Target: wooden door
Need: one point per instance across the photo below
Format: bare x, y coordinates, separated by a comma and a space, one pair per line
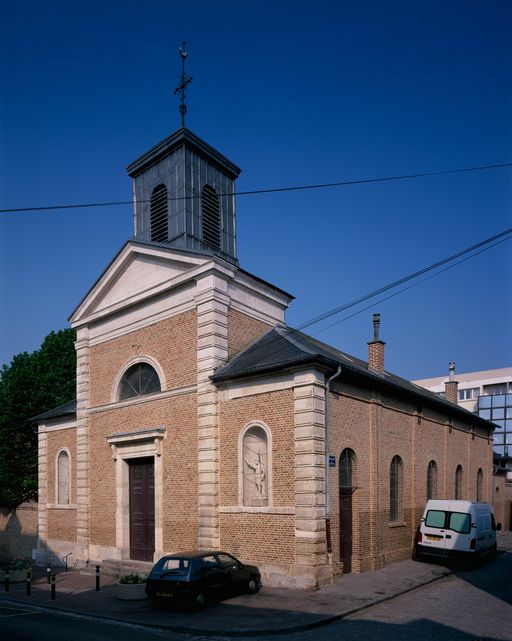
346, 528
142, 509
347, 476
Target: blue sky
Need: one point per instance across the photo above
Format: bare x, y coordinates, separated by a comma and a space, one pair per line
293, 93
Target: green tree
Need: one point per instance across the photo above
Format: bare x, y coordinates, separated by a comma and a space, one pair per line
31, 384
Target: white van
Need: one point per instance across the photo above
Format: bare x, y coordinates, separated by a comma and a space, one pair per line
456, 528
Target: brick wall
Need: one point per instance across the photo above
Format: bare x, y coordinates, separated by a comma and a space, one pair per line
172, 343
258, 536
18, 531
242, 330
55, 442
179, 458
378, 427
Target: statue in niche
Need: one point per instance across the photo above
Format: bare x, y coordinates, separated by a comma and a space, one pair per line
258, 474
255, 467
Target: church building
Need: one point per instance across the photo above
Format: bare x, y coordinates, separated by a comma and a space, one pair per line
203, 421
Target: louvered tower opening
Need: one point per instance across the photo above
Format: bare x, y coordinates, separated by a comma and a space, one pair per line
158, 214
210, 216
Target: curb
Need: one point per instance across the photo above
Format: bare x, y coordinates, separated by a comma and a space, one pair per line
236, 633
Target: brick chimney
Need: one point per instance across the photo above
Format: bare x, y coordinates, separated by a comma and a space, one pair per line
451, 386
376, 348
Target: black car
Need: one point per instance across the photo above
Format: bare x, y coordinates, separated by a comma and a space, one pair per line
195, 578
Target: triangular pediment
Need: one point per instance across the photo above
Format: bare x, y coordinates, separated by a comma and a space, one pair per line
138, 272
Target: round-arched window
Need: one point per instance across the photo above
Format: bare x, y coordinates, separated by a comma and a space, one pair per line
432, 480
138, 380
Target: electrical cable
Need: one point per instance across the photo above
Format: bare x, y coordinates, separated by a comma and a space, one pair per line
253, 192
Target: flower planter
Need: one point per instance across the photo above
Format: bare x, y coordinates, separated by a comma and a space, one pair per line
131, 591
17, 576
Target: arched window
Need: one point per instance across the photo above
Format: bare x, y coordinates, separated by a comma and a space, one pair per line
347, 470
458, 483
255, 466
63, 478
432, 480
158, 214
138, 380
211, 216
479, 484
395, 489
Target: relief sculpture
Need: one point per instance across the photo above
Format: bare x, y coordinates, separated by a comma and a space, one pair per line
255, 486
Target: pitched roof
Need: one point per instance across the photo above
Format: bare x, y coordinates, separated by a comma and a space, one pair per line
287, 348
67, 409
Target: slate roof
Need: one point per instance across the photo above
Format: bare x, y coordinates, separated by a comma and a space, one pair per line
67, 409
285, 348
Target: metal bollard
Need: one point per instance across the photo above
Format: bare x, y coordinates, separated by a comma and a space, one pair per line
52, 583
6, 580
97, 578
29, 581
48, 572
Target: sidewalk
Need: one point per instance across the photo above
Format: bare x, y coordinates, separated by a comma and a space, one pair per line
271, 611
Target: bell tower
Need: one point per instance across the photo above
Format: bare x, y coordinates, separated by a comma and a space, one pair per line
184, 191
184, 196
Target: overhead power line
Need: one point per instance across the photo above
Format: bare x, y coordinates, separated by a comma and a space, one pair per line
253, 192
405, 279
482, 246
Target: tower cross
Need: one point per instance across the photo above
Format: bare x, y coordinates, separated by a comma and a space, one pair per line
184, 82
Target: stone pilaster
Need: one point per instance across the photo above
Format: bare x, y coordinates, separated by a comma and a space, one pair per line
212, 350
376, 500
42, 474
310, 500
82, 442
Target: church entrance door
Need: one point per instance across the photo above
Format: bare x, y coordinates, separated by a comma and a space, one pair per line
142, 508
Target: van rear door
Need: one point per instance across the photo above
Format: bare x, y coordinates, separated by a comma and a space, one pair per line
433, 529
458, 532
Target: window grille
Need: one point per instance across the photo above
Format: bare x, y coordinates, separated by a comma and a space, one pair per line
211, 217
479, 485
432, 480
395, 489
458, 483
158, 214
347, 469
138, 380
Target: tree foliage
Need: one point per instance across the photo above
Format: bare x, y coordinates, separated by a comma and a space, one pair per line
31, 384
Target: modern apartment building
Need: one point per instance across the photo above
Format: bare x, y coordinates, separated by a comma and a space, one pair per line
487, 393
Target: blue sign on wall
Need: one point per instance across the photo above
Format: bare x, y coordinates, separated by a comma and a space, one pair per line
332, 461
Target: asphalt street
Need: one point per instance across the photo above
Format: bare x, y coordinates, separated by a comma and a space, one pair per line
470, 605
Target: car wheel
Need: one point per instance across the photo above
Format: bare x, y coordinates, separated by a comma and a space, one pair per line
253, 586
199, 602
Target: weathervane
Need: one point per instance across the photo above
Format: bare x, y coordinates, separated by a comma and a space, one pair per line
184, 82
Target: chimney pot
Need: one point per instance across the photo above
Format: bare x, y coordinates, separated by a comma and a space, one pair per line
451, 387
376, 348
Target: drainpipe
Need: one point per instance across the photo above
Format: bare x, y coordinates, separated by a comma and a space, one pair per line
327, 449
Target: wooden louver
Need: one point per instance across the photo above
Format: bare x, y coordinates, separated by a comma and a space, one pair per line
211, 217
158, 214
